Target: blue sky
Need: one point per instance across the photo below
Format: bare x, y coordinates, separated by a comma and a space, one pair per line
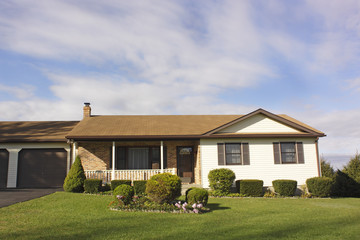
185, 57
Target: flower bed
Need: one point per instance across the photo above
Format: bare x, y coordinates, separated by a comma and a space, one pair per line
143, 204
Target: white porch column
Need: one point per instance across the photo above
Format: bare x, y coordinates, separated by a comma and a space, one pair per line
113, 161
68, 159
162, 156
13, 167
74, 152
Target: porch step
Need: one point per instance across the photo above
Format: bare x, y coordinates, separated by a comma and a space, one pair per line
185, 187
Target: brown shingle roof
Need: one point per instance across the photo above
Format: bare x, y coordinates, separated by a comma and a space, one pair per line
35, 131
143, 126
149, 125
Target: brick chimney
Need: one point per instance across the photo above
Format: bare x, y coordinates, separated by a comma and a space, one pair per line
87, 110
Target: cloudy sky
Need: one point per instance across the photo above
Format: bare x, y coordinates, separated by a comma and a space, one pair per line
185, 57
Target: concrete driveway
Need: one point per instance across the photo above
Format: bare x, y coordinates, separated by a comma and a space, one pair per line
12, 196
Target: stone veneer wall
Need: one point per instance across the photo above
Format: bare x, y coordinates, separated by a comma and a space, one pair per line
97, 155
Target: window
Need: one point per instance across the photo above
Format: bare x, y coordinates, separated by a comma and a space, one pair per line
288, 152
139, 158
233, 154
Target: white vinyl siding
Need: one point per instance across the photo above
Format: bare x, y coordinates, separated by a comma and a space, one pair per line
258, 124
262, 164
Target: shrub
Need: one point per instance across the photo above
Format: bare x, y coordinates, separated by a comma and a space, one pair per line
250, 187
285, 187
106, 187
221, 180
74, 181
140, 187
345, 186
352, 169
326, 169
124, 193
163, 188
92, 185
115, 183
320, 186
197, 195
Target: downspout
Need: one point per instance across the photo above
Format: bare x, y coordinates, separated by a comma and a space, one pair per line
317, 157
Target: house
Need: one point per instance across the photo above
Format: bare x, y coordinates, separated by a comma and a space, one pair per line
258, 145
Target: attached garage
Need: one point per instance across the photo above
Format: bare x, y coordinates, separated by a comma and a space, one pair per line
4, 165
40, 168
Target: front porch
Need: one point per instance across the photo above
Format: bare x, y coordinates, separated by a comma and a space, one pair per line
139, 160
141, 174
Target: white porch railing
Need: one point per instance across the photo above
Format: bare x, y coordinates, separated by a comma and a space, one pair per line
142, 174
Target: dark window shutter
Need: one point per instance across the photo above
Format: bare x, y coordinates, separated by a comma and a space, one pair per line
221, 154
120, 162
276, 152
246, 154
165, 157
300, 152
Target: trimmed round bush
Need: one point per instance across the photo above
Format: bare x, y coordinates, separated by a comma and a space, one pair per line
320, 186
140, 187
92, 185
163, 188
74, 181
250, 187
197, 195
115, 183
125, 191
221, 180
285, 188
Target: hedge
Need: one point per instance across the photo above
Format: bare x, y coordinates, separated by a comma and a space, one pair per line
92, 185
320, 186
285, 188
140, 187
115, 183
250, 187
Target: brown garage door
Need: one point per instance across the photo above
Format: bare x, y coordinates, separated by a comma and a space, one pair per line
4, 165
38, 168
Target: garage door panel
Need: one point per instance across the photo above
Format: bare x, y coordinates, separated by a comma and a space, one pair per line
42, 168
4, 166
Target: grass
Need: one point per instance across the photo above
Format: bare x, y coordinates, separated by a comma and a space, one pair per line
78, 216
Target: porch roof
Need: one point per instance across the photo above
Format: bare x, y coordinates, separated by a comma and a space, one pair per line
171, 126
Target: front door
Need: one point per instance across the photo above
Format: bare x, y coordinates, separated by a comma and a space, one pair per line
185, 164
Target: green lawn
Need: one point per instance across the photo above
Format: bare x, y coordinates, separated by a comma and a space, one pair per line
78, 216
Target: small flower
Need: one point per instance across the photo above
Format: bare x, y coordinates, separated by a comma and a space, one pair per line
185, 204
194, 205
178, 205
196, 210
199, 205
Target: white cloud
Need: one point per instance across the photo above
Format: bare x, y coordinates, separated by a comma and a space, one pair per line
169, 58
340, 126
26, 91
353, 84
337, 42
